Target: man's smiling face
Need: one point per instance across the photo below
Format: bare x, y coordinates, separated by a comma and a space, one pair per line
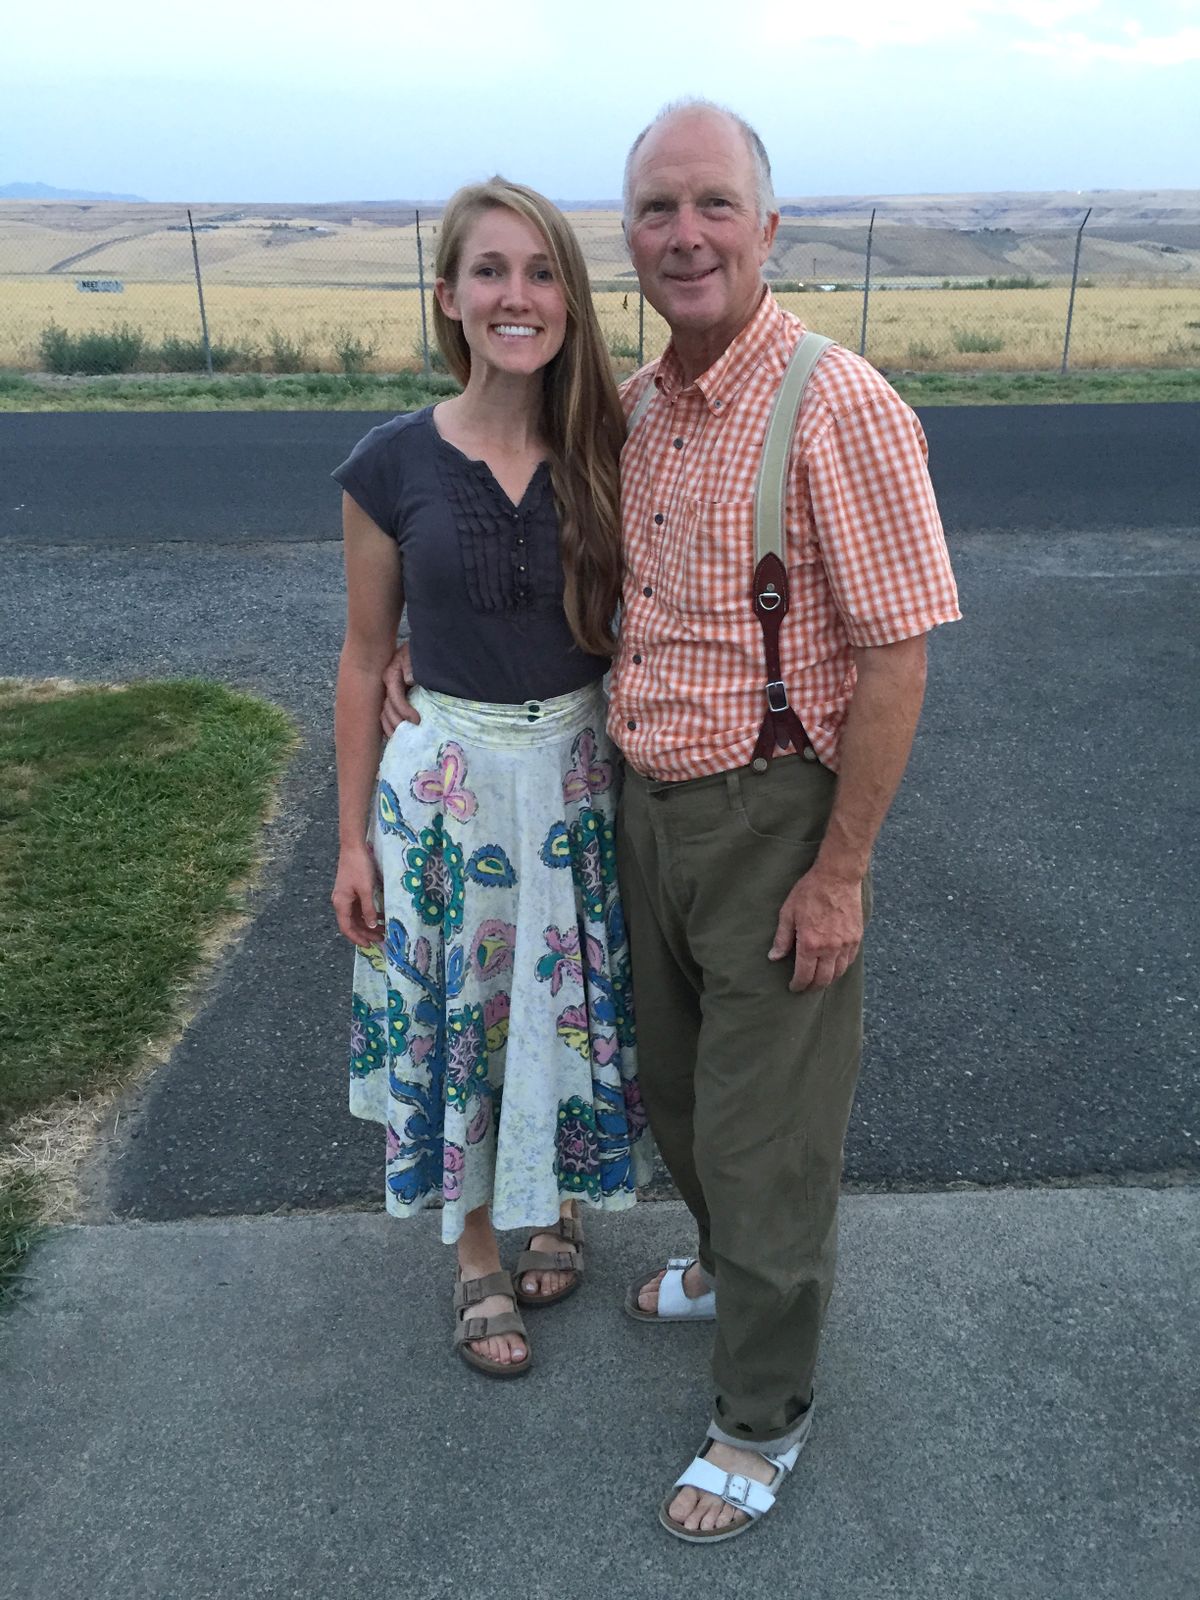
693, 227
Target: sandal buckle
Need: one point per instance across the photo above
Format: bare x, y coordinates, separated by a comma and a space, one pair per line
737, 1489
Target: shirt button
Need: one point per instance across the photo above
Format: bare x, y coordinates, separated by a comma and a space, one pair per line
647, 591
631, 724
659, 518
716, 405
678, 443
637, 660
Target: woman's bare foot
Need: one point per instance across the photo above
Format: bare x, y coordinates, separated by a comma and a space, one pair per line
546, 1284
693, 1286
699, 1512
479, 1254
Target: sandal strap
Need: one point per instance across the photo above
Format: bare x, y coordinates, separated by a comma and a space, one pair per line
744, 1494
569, 1228
548, 1261
471, 1328
470, 1291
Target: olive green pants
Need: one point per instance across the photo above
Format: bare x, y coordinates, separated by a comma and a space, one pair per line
748, 1086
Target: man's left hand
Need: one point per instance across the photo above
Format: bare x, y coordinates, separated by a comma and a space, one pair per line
822, 922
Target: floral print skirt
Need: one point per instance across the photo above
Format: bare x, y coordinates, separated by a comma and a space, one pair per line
492, 1032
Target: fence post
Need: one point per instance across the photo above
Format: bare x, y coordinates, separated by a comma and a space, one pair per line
200, 293
421, 281
641, 329
862, 343
1074, 280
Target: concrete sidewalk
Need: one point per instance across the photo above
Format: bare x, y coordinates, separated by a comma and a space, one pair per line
1007, 1407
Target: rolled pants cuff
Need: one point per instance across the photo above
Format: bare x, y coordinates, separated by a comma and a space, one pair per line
776, 1446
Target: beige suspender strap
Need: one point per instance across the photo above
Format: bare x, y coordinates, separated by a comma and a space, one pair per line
640, 410
770, 493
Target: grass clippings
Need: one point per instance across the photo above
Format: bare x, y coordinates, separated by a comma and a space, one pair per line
130, 821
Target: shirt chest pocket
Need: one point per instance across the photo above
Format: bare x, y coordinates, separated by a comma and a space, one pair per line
714, 566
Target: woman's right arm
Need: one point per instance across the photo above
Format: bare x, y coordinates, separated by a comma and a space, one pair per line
374, 601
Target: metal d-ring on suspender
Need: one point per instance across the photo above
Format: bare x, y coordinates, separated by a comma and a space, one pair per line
780, 723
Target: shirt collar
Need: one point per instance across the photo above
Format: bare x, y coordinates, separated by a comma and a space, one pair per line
721, 382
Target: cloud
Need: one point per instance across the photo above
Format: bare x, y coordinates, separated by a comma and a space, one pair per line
1135, 49
1105, 30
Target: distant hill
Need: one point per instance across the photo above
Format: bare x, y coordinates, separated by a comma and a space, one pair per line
46, 191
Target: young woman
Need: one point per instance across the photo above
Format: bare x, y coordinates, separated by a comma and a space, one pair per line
492, 1026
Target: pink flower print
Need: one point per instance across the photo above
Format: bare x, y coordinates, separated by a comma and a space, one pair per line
635, 1110
604, 1049
493, 947
495, 1021
481, 1122
573, 1030
452, 1171
588, 776
393, 1143
594, 954
420, 1047
562, 965
445, 784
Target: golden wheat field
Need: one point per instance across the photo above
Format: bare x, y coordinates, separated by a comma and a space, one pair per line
920, 329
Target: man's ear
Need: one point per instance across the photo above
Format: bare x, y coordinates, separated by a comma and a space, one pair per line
770, 229
444, 291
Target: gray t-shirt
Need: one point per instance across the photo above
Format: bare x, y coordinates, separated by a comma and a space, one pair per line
482, 577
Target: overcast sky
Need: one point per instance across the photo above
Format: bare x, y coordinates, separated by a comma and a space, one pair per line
383, 99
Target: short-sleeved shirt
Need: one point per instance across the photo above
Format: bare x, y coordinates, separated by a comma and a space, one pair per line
482, 577
866, 557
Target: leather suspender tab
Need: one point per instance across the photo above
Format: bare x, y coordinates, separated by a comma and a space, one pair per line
780, 725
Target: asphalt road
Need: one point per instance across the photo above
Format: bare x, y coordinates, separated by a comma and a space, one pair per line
231, 476
1032, 1000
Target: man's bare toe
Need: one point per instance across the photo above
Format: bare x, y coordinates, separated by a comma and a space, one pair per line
648, 1293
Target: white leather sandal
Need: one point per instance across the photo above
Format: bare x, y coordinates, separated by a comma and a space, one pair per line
674, 1303
743, 1494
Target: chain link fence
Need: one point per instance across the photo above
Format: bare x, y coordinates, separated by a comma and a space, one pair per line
349, 289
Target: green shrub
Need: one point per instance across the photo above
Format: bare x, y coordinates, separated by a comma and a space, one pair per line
970, 343
437, 361
622, 348
287, 354
187, 355
351, 351
918, 350
118, 349
1025, 282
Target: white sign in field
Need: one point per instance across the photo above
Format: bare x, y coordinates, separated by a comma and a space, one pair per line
100, 286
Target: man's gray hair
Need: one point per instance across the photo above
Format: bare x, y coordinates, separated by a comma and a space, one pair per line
763, 186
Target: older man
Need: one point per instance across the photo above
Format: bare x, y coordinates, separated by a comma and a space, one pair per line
745, 881
744, 859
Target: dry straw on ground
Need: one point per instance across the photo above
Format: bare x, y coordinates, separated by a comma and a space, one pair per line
917, 330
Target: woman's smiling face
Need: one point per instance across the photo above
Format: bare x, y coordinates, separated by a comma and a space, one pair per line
507, 295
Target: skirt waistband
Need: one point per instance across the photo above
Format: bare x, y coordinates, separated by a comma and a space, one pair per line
528, 723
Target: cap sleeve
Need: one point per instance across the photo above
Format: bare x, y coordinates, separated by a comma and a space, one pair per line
371, 475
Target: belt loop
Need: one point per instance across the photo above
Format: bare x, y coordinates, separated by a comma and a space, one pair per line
733, 788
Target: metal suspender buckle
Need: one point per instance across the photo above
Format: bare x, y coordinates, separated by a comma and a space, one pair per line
769, 599
777, 696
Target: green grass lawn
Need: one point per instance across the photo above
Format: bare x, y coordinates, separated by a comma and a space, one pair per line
130, 821
406, 391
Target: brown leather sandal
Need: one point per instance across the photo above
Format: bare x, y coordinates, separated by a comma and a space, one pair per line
570, 1230
469, 1292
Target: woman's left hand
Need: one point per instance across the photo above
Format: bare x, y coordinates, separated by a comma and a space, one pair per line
354, 895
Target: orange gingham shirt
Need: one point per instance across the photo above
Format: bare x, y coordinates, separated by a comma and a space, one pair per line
866, 557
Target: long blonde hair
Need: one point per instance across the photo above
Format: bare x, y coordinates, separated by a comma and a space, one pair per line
582, 421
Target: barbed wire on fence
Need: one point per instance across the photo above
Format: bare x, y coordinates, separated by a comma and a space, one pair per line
347, 289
